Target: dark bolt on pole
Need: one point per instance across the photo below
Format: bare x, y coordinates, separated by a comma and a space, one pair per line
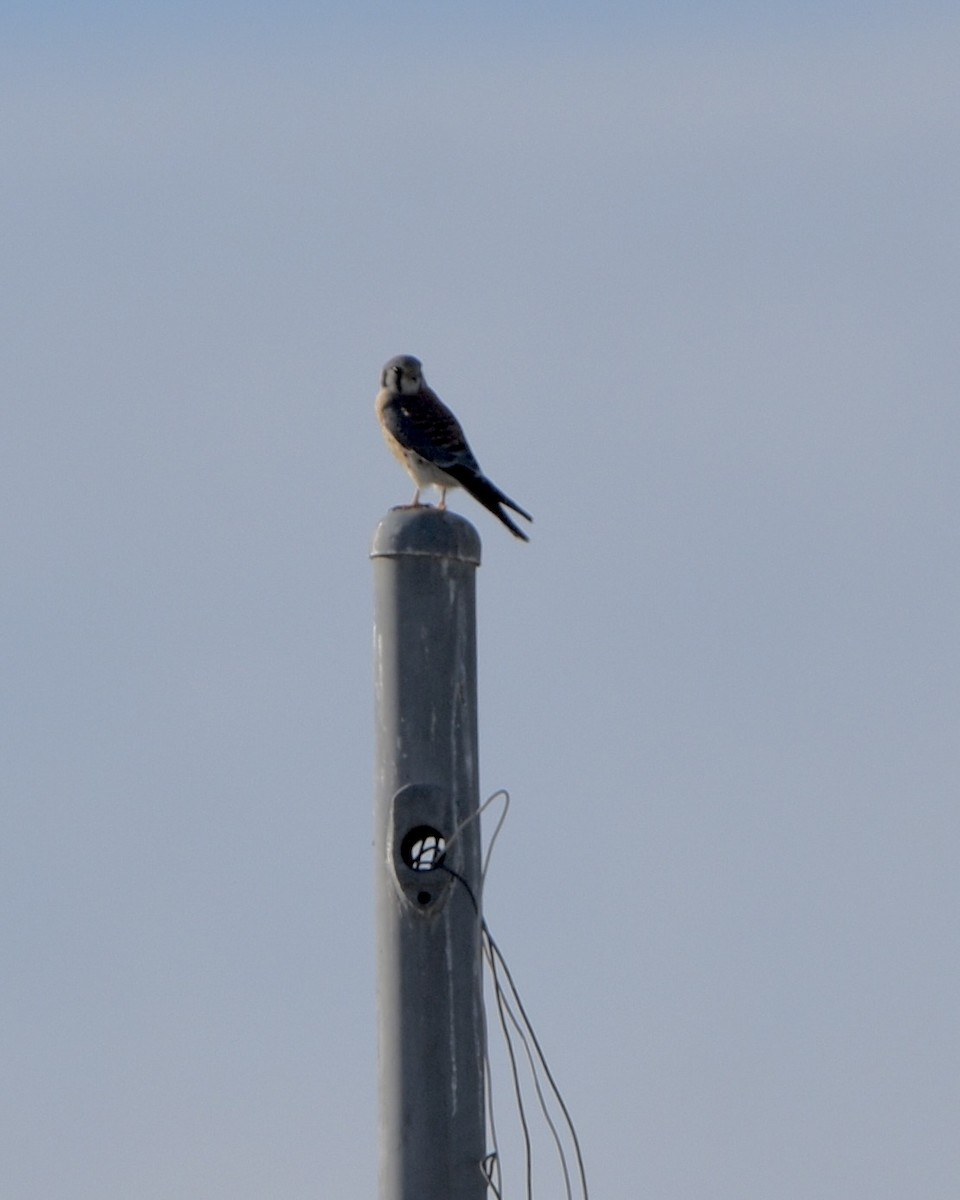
427, 845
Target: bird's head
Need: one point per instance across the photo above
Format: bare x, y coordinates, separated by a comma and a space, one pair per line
403, 374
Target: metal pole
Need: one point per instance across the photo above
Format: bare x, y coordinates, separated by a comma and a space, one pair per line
431, 1040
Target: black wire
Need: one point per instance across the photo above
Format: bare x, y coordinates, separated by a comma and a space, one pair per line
494, 949
518, 1092
487, 1165
495, 956
546, 1069
442, 866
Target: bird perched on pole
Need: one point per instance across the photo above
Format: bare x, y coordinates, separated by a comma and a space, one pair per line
427, 438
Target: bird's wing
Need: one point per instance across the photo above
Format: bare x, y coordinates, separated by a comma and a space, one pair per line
425, 425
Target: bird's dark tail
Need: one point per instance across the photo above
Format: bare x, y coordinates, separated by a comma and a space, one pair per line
490, 496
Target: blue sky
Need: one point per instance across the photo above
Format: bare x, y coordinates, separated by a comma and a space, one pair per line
99, 29
690, 283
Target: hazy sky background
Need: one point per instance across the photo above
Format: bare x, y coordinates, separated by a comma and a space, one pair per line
689, 276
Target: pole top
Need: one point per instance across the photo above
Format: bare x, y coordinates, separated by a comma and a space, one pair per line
426, 532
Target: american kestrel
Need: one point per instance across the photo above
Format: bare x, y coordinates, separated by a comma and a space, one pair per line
426, 437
